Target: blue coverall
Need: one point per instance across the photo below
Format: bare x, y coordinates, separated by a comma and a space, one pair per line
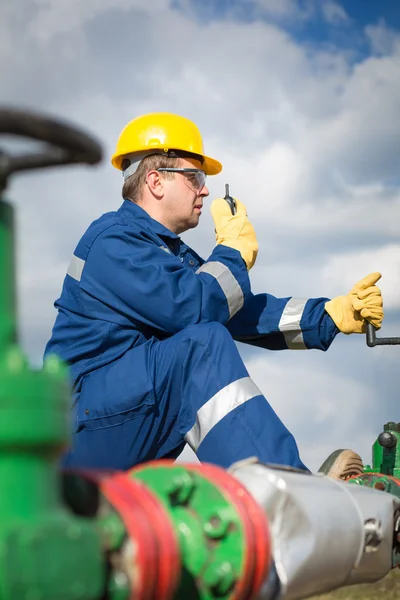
148, 327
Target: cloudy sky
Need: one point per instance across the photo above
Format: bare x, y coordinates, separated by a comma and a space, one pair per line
299, 99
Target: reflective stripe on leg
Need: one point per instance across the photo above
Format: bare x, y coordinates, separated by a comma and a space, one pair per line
221, 404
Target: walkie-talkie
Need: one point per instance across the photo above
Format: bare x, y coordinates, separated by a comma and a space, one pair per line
231, 201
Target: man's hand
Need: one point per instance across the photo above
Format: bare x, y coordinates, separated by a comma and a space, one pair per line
235, 231
363, 303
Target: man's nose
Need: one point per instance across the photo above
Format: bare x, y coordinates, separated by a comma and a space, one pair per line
204, 191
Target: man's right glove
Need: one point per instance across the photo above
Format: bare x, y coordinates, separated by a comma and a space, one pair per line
363, 303
235, 231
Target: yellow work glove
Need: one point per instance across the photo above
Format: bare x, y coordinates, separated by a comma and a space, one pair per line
235, 231
363, 303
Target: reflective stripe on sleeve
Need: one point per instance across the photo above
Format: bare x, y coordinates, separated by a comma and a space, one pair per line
75, 268
228, 283
289, 323
212, 412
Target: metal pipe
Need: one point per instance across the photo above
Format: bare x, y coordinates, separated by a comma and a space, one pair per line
325, 534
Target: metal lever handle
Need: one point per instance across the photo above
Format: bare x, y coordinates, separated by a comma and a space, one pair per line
372, 340
67, 144
231, 201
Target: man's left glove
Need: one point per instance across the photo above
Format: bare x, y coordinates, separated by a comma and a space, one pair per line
363, 303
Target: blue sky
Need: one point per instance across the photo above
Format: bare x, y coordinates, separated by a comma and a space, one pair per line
340, 23
365, 12
360, 12
350, 33
300, 102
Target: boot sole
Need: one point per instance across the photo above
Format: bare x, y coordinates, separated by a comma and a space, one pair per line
342, 465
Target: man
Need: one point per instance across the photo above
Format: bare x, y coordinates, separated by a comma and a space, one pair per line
148, 327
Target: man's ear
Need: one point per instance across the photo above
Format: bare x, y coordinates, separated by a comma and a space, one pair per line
155, 182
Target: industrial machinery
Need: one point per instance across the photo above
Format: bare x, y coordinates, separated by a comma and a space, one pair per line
163, 530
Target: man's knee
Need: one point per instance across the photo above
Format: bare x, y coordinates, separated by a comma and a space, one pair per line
213, 333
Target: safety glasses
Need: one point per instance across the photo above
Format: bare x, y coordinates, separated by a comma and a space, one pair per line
195, 177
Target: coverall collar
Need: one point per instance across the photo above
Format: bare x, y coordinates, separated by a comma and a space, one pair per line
137, 213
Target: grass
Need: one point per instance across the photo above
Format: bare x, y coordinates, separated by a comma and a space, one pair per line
387, 589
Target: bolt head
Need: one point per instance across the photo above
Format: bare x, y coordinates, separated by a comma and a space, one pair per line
220, 577
387, 439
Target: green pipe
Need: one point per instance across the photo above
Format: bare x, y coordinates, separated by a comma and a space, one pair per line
8, 329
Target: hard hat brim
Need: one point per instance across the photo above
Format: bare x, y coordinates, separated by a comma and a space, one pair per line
211, 166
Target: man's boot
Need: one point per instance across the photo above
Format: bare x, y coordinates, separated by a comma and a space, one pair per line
342, 464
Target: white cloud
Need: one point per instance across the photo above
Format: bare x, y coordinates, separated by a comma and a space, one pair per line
282, 9
309, 141
383, 39
53, 18
333, 12
348, 268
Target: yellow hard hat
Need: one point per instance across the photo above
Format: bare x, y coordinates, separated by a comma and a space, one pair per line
162, 131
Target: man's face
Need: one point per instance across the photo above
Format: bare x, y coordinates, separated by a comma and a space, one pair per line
183, 198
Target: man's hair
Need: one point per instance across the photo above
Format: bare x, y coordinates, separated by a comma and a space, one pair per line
133, 185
